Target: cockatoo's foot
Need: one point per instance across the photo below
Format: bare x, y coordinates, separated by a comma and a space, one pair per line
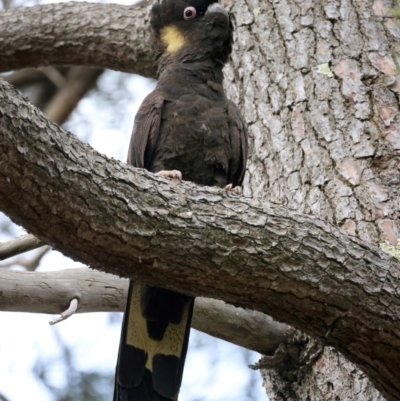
235, 190
170, 173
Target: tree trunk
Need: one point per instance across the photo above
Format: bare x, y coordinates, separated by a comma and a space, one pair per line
319, 87
317, 84
329, 377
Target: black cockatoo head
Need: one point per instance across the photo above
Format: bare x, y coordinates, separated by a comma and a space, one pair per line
192, 30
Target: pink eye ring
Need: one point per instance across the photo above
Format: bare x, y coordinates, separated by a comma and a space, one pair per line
189, 13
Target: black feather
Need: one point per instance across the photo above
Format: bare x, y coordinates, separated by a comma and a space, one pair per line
160, 307
208, 35
167, 12
186, 124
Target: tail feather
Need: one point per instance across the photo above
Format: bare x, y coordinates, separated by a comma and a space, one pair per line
154, 341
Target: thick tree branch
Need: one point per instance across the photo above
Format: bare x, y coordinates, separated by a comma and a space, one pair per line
49, 35
51, 292
199, 240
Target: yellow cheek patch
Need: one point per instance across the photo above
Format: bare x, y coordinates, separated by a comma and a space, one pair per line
172, 38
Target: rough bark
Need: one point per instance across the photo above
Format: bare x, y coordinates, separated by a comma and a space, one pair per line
318, 83
325, 130
298, 372
203, 241
101, 292
98, 35
319, 87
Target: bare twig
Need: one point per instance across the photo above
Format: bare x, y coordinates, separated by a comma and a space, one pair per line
25, 76
54, 75
80, 81
28, 76
18, 245
29, 264
3, 398
32, 265
6, 6
99, 292
73, 306
70, 89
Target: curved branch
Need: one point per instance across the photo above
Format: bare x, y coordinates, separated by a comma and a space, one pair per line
76, 34
101, 292
73, 306
200, 240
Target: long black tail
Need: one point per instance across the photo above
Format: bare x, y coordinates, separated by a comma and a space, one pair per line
154, 341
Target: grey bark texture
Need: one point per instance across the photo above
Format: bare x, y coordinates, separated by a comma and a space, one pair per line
101, 292
298, 371
318, 82
318, 85
203, 241
97, 35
